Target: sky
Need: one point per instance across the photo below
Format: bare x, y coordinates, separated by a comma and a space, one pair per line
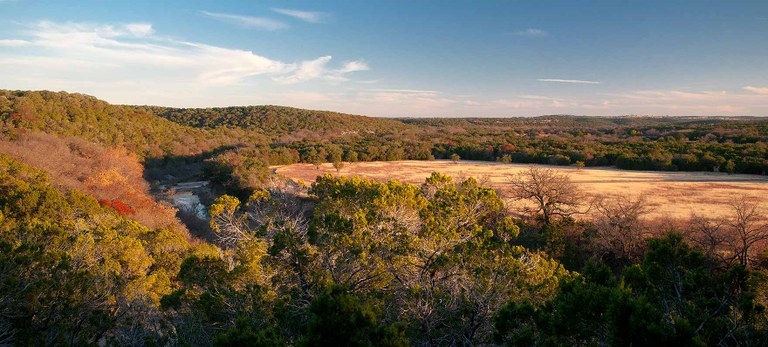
398, 58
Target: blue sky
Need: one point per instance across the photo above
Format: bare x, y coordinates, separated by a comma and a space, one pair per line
398, 58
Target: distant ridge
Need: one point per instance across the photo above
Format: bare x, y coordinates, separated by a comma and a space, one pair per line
276, 120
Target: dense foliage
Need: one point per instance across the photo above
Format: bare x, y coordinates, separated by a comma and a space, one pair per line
73, 272
429, 265
673, 297
278, 121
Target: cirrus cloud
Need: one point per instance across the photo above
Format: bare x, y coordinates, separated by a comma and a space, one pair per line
14, 43
123, 61
757, 90
530, 32
558, 80
247, 21
317, 69
307, 16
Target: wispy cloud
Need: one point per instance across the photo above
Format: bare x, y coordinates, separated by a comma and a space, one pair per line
676, 95
686, 102
406, 91
652, 102
248, 21
757, 90
317, 69
126, 51
536, 97
354, 66
14, 43
140, 29
401, 102
530, 32
307, 16
544, 104
405, 102
410, 102
131, 62
306, 70
558, 80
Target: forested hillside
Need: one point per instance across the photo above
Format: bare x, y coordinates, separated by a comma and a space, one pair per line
279, 121
91, 255
91, 119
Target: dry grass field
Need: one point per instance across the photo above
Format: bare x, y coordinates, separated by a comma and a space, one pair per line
670, 194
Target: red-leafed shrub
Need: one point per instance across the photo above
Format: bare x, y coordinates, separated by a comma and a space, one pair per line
119, 206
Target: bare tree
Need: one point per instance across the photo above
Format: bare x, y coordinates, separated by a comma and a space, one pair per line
748, 228
271, 210
338, 165
553, 193
620, 229
229, 223
711, 235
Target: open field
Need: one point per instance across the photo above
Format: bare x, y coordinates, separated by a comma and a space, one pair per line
672, 194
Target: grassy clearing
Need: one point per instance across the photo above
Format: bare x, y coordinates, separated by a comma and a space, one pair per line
671, 194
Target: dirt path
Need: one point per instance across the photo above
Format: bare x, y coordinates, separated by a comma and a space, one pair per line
674, 194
